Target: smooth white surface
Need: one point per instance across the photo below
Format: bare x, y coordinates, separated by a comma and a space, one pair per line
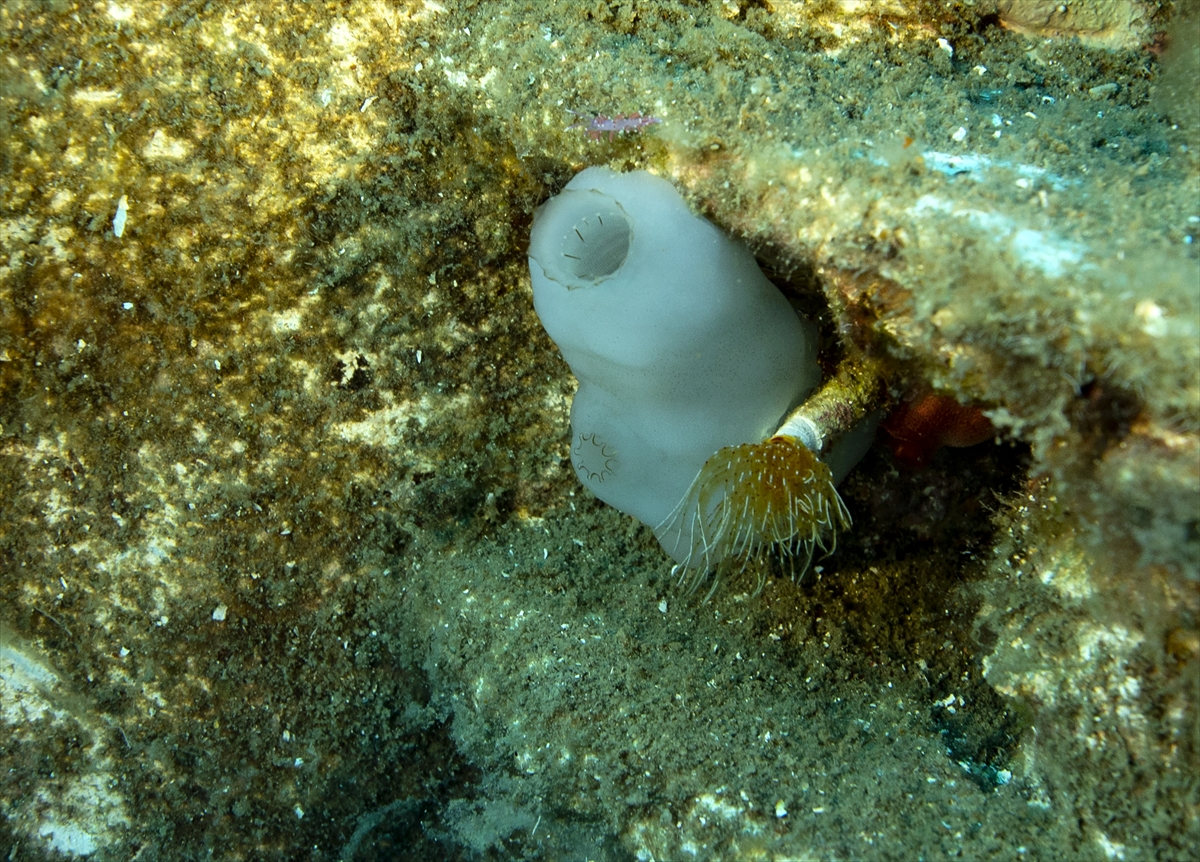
684, 349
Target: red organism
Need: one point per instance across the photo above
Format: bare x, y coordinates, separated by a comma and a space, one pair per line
920, 427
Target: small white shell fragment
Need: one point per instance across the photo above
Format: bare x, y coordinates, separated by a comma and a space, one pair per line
780, 809
219, 613
946, 46
662, 606
960, 134
119, 218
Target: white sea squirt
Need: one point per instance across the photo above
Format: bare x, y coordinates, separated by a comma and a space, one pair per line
682, 348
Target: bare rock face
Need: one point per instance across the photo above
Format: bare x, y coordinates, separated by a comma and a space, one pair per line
1103, 23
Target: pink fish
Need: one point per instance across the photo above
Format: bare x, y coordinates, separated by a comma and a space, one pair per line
599, 124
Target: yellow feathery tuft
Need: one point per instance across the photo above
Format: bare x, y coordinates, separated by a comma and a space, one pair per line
750, 497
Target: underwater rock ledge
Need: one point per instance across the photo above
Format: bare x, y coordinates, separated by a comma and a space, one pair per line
292, 556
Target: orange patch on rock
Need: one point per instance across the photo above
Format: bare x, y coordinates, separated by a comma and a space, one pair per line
919, 428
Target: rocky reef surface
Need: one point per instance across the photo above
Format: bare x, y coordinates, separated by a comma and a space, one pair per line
293, 561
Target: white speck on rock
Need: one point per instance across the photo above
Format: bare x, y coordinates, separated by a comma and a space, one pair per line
121, 216
163, 146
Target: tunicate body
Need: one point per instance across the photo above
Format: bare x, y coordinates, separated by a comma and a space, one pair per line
680, 344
